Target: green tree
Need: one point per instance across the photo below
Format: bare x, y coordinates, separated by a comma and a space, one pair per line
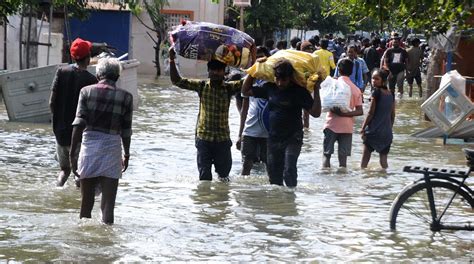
153, 9
429, 16
76, 8
268, 16
309, 15
265, 17
9, 7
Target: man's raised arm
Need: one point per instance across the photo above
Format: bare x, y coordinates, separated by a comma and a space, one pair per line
174, 74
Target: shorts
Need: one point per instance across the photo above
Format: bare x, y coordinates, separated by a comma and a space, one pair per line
62, 155
396, 79
384, 151
344, 142
415, 75
254, 149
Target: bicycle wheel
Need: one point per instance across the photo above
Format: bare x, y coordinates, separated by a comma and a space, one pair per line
411, 211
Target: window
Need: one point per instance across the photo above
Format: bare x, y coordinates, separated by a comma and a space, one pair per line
174, 17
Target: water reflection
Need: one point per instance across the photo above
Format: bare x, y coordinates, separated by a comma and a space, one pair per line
271, 211
212, 201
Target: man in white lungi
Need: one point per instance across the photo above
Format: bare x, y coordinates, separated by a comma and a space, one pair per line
103, 124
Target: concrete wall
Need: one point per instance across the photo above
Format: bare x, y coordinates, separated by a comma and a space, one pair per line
142, 45
13, 39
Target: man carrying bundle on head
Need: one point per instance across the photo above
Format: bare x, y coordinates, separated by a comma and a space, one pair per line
212, 132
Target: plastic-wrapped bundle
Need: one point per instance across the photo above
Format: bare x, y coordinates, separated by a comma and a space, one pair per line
206, 41
335, 93
307, 67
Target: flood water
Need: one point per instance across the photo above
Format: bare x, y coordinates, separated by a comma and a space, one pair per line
163, 212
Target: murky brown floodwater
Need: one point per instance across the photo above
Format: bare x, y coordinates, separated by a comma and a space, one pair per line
164, 213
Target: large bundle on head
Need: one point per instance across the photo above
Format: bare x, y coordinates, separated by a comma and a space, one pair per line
307, 67
207, 41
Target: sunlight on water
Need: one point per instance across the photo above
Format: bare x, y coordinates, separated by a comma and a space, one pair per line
163, 213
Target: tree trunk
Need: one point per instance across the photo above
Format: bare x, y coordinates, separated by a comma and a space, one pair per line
157, 55
435, 67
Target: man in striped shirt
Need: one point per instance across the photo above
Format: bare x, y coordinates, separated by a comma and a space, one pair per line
212, 132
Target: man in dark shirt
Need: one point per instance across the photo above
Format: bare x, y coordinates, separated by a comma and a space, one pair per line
415, 58
372, 58
65, 89
396, 59
286, 101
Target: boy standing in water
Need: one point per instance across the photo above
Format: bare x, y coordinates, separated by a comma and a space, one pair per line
339, 126
415, 58
253, 131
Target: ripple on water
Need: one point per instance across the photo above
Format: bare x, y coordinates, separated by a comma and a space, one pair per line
163, 213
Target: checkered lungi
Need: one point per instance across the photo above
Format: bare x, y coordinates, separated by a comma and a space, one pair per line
100, 155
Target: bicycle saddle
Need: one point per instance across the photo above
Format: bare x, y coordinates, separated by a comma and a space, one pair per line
469, 152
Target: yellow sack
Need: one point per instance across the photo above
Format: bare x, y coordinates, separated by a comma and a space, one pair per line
307, 68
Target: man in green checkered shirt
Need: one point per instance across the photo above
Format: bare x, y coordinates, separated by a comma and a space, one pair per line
212, 133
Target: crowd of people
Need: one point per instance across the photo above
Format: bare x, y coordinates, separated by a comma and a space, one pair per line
92, 118
401, 58
273, 114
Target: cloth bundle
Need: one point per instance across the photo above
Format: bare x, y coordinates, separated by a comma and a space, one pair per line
206, 41
307, 67
335, 93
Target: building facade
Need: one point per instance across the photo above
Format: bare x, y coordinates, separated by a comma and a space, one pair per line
140, 43
196, 10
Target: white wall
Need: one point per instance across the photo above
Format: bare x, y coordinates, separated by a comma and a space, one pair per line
303, 34
55, 51
142, 45
13, 40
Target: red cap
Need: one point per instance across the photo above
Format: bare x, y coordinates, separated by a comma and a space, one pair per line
80, 48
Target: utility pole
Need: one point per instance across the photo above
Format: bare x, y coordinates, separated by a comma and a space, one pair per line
242, 4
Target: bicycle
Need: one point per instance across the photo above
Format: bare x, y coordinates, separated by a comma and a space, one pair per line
441, 200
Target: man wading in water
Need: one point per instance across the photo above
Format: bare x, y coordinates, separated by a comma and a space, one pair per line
65, 90
212, 132
286, 101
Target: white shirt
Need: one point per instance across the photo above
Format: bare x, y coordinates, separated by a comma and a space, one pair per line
254, 124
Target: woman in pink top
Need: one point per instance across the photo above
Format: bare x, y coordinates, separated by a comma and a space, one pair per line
339, 126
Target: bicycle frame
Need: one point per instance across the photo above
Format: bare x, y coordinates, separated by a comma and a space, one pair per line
451, 184
436, 219
448, 179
